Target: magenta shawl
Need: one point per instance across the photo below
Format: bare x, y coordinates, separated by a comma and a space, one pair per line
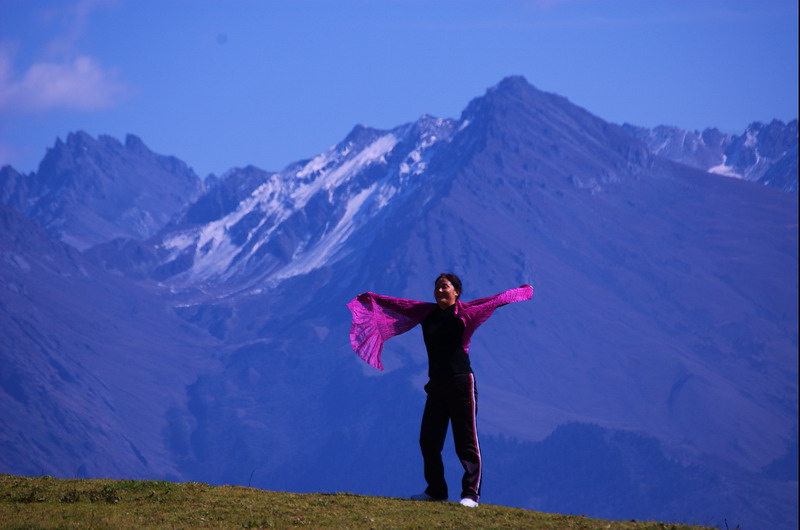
378, 318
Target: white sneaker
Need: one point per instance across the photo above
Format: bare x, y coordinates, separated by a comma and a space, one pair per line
425, 497
466, 501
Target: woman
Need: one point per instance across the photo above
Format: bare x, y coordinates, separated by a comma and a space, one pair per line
447, 327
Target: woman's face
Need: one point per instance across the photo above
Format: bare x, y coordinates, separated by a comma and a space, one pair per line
444, 293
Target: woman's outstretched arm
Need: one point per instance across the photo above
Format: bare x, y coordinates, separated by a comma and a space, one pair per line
377, 318
475, 313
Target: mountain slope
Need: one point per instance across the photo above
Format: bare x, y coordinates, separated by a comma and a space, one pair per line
90, 364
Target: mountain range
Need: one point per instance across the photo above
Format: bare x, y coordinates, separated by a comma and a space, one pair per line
87, 191
653, 376
764, 153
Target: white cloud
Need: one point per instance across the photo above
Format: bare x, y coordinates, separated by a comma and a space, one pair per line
62, 77
76, 84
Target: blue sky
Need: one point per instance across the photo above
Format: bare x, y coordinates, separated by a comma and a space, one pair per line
222, 84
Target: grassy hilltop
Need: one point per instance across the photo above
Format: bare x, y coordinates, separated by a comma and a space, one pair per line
49, 502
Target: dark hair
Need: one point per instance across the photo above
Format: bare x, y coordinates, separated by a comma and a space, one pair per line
454, 280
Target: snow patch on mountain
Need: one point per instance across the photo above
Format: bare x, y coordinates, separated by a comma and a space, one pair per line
323, 252
724, 169
375, 153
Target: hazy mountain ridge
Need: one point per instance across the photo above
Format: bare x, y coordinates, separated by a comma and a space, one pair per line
665, 310
764, 153
88, 191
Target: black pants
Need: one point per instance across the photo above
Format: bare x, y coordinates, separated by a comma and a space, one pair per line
451, 400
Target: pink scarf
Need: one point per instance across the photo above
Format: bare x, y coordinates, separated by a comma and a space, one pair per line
378, 318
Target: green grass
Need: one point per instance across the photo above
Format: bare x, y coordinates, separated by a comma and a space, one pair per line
47, 502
